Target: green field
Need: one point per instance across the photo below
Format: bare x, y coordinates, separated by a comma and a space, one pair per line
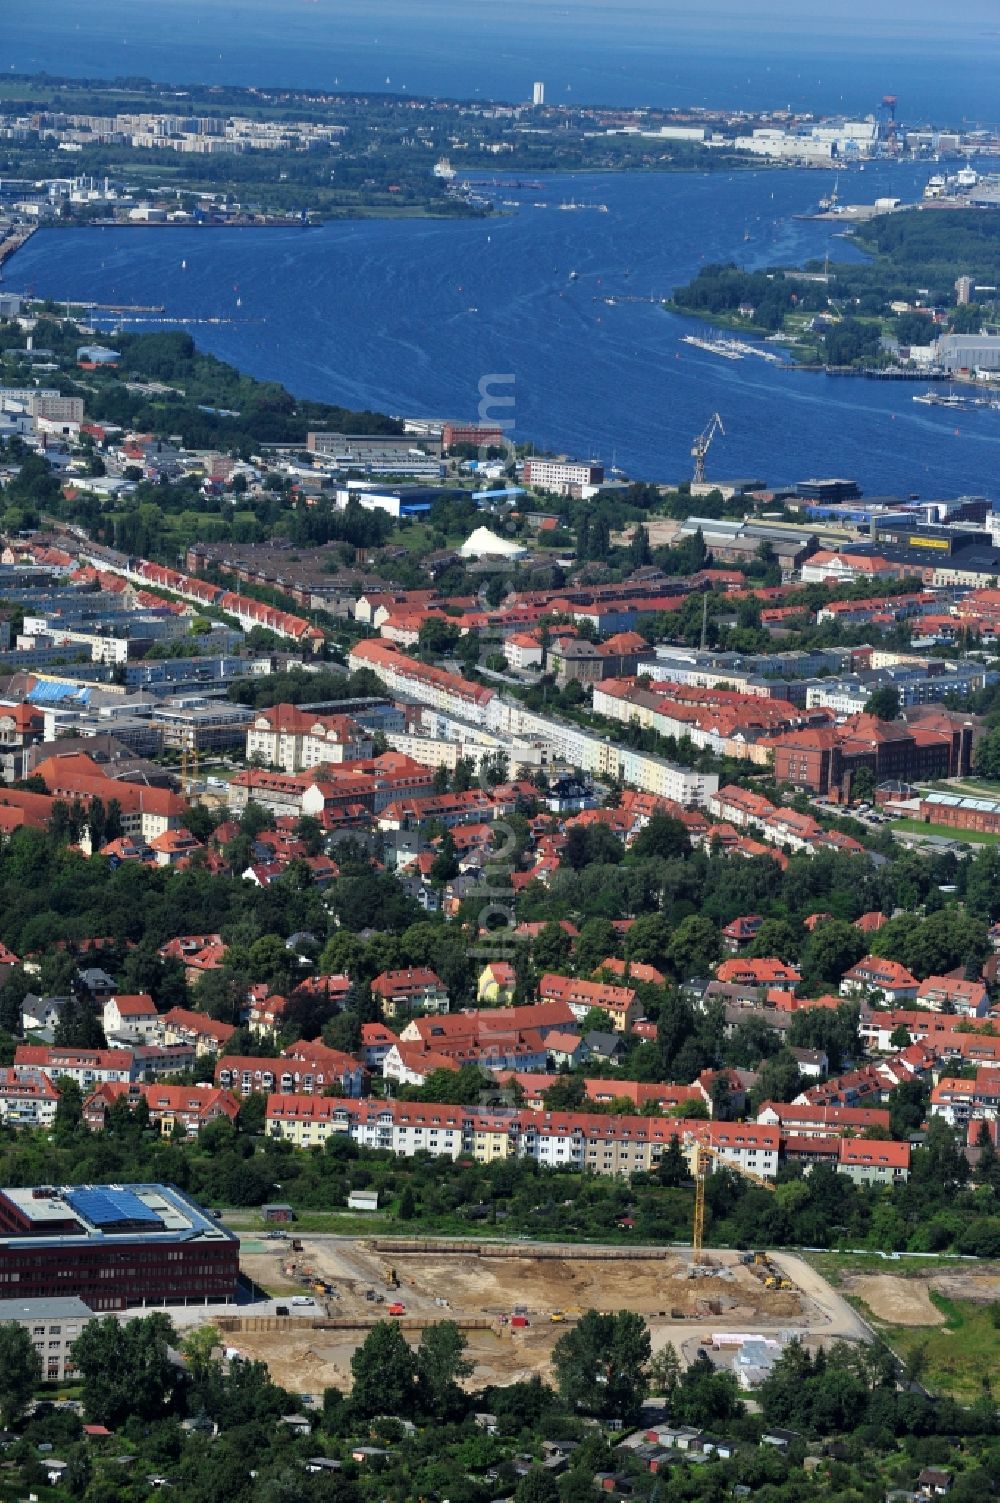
833, 1264
917, 827
250, 1225
957, 1359
951, 1359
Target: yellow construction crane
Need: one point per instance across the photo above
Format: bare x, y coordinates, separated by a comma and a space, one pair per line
701, 446
189, 769
701, 1155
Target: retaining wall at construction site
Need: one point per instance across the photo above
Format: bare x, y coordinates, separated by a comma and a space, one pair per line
400, 1247
253, 1324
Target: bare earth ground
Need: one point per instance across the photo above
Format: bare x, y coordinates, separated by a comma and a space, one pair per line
899, 1302
905, 1301
466, 1288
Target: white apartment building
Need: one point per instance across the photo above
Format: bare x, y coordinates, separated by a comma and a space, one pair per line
27, 1097
296, 740
562, 475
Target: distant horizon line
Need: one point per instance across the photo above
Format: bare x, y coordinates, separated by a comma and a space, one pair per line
138, 82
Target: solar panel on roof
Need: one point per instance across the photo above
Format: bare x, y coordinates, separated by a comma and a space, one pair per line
106, 1207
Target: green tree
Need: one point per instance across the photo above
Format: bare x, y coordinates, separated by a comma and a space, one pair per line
551, 948
441, 1364
600, 1364
20, 1373
444, 867
598, 940
197, 1348
665, 1371
778, 1079
69, 1109
777, 937
695, 948
437, 637
664, 837
987, 757
830, 950
126, 1368
384, 1369
863, 785
883, 703
537, 1486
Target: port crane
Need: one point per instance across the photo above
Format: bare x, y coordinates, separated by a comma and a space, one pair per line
701, 1157
702, 444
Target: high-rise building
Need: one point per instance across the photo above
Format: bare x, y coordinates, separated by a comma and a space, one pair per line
538, 94
963, 289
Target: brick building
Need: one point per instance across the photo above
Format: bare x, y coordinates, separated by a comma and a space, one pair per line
114, 1246
826, 759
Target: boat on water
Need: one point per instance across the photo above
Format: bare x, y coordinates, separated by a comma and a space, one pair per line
721, 347
952, 400
731, 349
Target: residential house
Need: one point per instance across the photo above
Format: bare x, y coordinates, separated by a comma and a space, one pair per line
133, 1017
874, 1163
41, 1014
181, 1025
497, 981
951, 994
417, 988
28, 1097
741, 931
567, 1050
619, 1002
823, 1121
886, 977
171, 1107
88, 1067
321, 1069
376, 1041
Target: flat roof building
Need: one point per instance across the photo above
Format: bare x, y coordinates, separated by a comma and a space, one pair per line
114, 1246
53, 1325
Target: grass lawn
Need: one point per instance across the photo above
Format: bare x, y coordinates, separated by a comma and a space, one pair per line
337, 1223
976, 787
951, 1358
917, 827
832, 1264
956, 1357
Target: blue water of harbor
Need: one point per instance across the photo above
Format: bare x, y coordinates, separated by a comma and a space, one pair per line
409, 316
751, 54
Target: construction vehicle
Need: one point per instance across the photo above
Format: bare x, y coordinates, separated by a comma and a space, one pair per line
701, 1155
397, 1308
389, 1274
701, 446
296, 1245
556, 1317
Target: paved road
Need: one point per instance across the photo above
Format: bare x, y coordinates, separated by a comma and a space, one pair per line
838, 1320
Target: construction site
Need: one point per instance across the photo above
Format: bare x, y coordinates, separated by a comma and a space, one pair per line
511, 1300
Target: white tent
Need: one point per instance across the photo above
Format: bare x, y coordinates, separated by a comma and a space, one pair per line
482, 543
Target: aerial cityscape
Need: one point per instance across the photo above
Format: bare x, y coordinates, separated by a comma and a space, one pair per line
499, 752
